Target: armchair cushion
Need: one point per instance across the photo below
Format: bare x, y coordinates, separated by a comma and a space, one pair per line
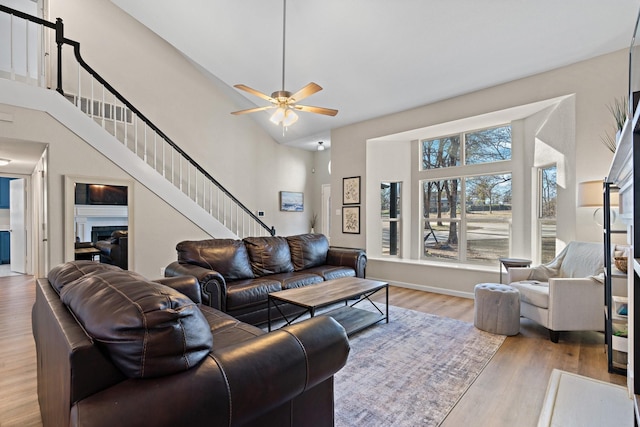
533, 292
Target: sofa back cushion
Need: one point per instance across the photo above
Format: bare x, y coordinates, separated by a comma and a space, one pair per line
269, 255
63, 274
308, 250
226, 256
147, 329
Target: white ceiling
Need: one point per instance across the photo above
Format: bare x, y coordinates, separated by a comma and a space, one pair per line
375, 57
23, 155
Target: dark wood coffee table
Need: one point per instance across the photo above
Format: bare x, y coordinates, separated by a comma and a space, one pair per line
351, 290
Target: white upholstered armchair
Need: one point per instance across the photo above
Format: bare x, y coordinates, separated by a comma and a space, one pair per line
567, 294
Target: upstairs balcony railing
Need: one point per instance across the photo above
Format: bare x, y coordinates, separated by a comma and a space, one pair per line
25, 60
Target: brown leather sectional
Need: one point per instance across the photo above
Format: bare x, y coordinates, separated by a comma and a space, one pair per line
236, 276
115, 349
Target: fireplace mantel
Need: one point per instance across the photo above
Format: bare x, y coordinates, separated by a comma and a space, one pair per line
89, 216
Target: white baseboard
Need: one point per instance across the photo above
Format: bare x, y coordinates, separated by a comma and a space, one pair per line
426, 288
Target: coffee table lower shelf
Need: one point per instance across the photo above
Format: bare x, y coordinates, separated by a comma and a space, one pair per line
347, 290
355, 319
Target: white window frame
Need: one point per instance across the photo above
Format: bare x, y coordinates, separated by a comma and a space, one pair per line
461, 172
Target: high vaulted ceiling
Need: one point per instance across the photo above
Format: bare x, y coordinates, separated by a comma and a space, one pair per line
376, 57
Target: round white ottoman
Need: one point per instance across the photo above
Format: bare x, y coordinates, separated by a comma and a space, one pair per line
497, 309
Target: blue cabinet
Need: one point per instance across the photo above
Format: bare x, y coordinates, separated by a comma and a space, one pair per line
5, 247
4, 193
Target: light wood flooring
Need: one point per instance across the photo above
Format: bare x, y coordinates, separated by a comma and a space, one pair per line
509, 392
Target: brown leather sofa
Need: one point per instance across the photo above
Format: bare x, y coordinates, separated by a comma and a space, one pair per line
115, 349
115, 250
236, 276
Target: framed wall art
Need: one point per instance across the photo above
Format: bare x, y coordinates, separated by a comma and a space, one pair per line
351, 219
291, 201
351, 190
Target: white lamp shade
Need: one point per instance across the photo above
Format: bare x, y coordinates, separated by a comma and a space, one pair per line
590, 194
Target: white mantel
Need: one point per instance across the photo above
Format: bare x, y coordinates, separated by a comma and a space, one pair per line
88, 216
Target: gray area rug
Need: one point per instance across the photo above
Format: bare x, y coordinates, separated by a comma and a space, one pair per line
410, 372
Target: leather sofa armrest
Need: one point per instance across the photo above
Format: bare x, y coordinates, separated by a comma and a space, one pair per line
290, 360
187, 285
105, 246
213, 288
348, 257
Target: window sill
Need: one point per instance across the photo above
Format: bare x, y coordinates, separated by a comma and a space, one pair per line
437, 264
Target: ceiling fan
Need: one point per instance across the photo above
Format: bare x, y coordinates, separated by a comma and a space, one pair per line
284, 101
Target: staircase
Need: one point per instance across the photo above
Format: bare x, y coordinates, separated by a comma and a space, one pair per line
121, 130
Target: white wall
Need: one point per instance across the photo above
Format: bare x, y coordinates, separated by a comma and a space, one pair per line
595, 84
190, 108
388, 162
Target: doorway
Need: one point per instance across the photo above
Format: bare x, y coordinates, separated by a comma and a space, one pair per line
13, 226
326, 209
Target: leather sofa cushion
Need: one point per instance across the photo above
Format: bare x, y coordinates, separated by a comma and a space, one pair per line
269, 255
63, 274
296, 279
226, 256
243, 293
330, 272
147, 329
227, 330
308, 250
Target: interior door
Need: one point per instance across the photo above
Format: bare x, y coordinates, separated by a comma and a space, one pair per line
17, 225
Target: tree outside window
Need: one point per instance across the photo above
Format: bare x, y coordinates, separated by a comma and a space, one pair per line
467, 218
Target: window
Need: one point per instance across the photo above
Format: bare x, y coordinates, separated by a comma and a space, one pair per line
547, 199
488, 145
390, 213
482, 146
467, 217
441, 152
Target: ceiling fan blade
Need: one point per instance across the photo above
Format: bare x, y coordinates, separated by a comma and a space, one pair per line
317, 110
252, 110
308, 90
255, 92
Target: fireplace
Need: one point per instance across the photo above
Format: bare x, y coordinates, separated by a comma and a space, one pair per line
103, 232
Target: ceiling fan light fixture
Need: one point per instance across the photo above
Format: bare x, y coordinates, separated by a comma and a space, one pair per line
278, 116
290, 117
282, 100
320, 146
4, 162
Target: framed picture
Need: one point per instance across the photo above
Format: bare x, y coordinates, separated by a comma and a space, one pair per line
351, 190
291, 201
351, 219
